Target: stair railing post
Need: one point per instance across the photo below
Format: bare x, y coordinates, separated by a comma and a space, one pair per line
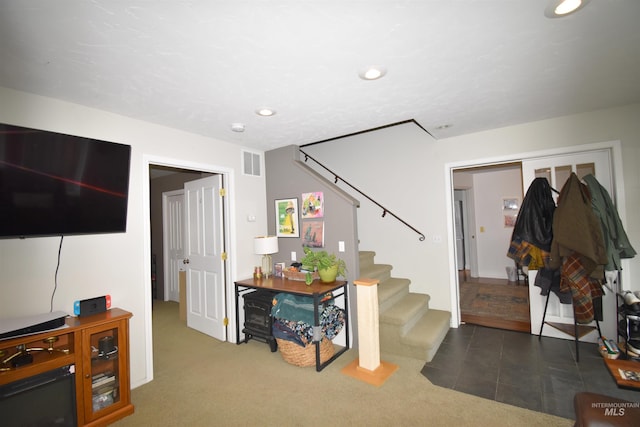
368, 366
368, 323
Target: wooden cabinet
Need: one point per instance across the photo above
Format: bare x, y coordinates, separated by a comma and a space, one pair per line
97, 346
105, 370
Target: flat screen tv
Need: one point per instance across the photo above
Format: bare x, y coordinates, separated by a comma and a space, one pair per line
52, 184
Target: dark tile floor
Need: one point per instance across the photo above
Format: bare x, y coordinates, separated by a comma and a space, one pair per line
518, 369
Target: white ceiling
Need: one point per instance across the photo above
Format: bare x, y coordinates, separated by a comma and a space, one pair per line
202, 65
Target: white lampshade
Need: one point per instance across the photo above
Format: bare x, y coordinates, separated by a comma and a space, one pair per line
265, 245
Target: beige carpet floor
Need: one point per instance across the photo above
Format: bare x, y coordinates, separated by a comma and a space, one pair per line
200, 381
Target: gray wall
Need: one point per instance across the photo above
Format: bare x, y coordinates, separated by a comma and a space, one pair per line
288, 177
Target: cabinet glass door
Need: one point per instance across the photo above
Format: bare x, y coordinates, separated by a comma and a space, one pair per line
104, 369
105, 360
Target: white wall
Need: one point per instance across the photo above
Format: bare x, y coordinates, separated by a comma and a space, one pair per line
119, 264
492, 237
404, 168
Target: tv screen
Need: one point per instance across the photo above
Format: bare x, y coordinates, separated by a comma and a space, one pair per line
53, 184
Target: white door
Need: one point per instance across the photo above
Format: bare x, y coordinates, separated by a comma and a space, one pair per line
557, 170
204, 253
173, 242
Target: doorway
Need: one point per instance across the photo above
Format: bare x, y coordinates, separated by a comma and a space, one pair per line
190, 261
488, 295
159, 168
618, 194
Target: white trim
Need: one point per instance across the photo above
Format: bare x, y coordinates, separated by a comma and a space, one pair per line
230, 272
616, 151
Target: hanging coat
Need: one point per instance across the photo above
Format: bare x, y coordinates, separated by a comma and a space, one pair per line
535, 218
532, 236
532, 233
578, 248
616, 242
577, 229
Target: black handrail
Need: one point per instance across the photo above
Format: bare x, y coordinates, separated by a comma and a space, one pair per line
385, 211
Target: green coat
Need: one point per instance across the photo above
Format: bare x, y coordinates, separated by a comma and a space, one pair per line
615, 238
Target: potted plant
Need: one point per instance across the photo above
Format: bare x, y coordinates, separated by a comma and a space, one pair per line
328, 266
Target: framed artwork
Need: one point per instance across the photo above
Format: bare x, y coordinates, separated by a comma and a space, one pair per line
510, 208
313, 234
287, 224
312, 205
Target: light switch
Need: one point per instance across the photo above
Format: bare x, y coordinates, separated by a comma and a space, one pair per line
340, 246
293, 256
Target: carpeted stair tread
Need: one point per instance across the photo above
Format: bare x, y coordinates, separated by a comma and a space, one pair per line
421, 341
430, 330
366, 259
380, 272
391, 291
403, 311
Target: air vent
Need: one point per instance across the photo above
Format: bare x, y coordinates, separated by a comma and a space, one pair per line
251, 163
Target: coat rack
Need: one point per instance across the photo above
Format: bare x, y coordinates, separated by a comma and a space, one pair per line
577, 331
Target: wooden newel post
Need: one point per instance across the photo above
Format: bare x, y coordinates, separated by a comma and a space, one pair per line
368, 366
368, 323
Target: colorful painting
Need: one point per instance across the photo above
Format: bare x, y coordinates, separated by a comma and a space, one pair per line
287, 218
313, 234
312, 205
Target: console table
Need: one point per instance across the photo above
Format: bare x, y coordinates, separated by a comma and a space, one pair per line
316, 290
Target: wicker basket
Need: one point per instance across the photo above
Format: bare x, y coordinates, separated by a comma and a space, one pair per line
304, 356
299, 275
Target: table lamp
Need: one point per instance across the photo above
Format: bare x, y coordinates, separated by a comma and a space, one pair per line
265, 246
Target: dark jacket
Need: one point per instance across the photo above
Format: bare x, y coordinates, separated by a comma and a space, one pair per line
535, 218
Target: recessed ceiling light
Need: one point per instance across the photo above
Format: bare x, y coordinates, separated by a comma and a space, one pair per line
560, 8
265, 112
372, 73
237, 127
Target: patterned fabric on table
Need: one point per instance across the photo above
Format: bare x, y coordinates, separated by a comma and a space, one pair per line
331, 323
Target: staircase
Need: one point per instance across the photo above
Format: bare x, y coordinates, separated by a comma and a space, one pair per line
408, 327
